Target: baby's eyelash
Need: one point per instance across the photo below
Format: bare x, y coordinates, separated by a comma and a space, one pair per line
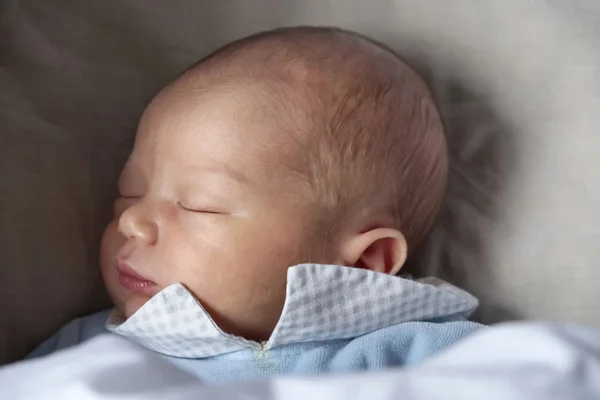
204, 211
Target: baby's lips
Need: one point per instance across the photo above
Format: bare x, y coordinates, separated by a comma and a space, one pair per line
124, 268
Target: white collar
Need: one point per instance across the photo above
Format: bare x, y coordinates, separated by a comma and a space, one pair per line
322, 302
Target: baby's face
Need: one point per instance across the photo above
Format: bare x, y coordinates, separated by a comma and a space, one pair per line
207, 199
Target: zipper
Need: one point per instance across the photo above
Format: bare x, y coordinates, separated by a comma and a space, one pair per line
261, 356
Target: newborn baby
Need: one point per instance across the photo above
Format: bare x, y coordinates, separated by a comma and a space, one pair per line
274, 191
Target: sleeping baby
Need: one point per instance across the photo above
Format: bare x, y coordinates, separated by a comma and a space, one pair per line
273, 194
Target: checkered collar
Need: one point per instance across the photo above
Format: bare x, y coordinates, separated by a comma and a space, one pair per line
323, 302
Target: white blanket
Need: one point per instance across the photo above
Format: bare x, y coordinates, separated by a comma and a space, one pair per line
510, 362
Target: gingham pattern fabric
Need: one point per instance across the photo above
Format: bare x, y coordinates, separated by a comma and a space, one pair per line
323, 302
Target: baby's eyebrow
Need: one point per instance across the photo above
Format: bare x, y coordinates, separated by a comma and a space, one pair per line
233, 174
222, 170
130, 178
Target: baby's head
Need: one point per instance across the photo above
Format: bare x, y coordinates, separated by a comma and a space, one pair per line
292, 146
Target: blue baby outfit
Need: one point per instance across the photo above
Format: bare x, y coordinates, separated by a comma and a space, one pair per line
335, 319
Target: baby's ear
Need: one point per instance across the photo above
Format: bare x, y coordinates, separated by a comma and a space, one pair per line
380, 250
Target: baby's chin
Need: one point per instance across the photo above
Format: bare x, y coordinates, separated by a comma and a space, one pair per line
133, 304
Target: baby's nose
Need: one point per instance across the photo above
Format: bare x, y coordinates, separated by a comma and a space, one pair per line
137, 222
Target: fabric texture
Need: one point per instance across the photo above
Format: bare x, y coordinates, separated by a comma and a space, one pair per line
521, 361
404, 344
517, 83
335, 319
323, 302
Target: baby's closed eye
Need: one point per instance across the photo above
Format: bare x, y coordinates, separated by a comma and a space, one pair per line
123, 202
207, 209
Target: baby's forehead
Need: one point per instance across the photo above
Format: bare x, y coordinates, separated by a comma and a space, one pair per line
256, 116
231, 127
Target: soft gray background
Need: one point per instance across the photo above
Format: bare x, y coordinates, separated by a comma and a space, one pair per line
518, 84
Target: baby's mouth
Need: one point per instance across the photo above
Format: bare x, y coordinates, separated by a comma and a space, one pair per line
134, 282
